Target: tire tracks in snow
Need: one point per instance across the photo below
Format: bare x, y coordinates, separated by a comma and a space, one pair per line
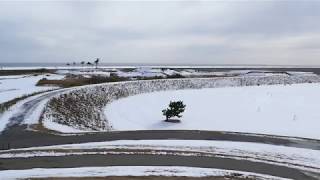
26, 108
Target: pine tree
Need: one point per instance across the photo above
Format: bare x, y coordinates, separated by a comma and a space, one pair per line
175, 109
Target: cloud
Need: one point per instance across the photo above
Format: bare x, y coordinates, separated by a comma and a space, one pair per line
198, 32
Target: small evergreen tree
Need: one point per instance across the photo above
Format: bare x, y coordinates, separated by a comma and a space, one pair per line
175, 109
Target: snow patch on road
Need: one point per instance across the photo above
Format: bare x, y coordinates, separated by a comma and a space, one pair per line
129, 171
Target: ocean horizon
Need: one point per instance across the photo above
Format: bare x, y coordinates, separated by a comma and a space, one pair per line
43, 65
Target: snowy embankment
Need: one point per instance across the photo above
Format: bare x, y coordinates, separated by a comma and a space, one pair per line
12, 87
82, 108
134, 171
299, 158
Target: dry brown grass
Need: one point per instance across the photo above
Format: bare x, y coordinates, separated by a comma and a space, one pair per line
79, 81
25, 72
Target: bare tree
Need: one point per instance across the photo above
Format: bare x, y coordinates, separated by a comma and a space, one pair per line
96, 62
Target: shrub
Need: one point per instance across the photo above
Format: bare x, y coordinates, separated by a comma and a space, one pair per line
175, 109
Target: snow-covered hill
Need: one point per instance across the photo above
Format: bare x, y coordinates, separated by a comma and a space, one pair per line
82, 108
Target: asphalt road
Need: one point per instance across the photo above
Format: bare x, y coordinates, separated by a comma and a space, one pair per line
18, 137
152, 160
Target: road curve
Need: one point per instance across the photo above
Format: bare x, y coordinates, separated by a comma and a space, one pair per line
31, 104
17, 135
154, 160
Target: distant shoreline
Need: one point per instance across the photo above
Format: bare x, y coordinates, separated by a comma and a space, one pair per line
11, 66
31, 66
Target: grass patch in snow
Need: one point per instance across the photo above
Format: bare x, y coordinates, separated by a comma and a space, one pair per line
79, 81
25, 71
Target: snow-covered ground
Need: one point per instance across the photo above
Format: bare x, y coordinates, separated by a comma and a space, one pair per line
128, 171
147, 72
31, 114
141, 72
153, 72
49, 124
287, 110
16, 86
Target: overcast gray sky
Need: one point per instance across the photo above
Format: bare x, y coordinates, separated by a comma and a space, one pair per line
197, 32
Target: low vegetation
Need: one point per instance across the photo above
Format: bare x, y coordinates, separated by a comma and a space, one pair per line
174, 76
79, 80
24, 72
71, 81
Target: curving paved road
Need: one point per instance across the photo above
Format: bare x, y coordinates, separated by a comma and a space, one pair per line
18, 136
154, 160
22, 138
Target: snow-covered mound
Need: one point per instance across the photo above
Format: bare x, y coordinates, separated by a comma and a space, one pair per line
286, 110
82, 108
